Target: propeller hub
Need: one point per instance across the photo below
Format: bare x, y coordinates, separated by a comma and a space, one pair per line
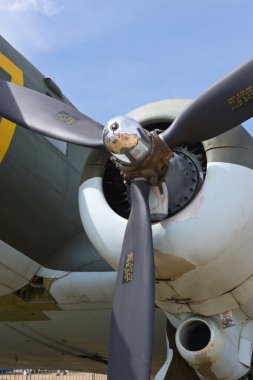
125, 139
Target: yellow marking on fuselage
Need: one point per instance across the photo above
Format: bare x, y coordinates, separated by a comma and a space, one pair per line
7, 127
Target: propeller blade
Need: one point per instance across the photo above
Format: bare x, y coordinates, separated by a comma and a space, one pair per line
132, 324
48, 116
222, 107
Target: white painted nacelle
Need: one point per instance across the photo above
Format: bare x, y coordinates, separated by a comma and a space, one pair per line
203, 254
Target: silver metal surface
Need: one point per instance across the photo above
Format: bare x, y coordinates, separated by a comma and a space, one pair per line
124, 137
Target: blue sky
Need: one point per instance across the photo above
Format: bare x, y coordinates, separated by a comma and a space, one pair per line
111, 56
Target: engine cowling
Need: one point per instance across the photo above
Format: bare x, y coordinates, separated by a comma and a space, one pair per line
198, 249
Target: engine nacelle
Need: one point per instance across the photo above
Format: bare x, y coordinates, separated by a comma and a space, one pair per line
203, 253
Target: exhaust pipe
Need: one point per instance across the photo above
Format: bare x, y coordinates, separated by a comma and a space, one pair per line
211, 350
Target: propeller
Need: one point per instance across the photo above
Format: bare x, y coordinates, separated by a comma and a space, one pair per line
222, 107
48, 116
131, 334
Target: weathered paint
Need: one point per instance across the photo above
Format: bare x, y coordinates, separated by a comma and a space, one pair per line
14, 309
170, 267
218, 359
204, 365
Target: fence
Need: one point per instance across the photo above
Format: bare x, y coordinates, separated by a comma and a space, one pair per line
48, 375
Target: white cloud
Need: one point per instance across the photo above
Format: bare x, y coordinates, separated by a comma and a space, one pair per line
27, 26
46, 7
34, 26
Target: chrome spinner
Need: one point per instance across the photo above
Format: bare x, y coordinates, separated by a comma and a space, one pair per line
124, 137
